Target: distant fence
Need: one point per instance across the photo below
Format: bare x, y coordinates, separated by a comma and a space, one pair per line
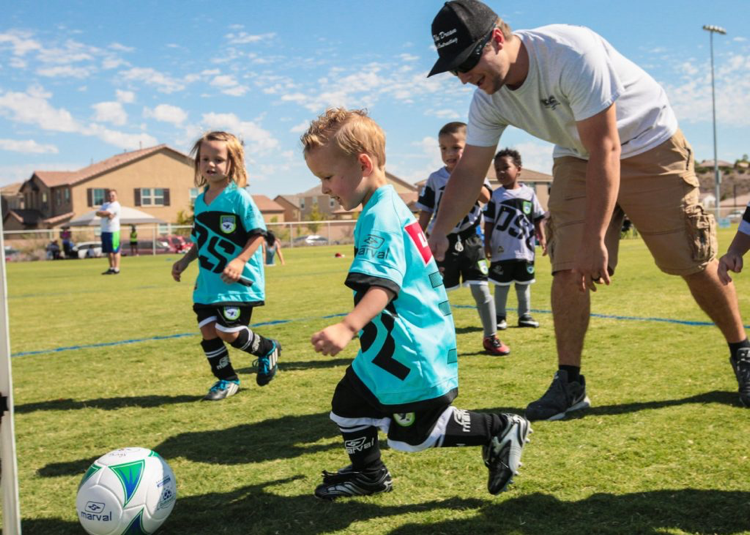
155, 239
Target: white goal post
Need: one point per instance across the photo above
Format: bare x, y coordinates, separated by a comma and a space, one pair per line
8, 465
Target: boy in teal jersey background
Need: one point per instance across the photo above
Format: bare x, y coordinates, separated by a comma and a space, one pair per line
405, 375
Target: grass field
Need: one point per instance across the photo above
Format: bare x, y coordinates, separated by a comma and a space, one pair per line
664, 448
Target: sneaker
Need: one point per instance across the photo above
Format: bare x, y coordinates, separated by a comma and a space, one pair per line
559, 399
502, 455
110, 271
222, 389
501, 323
495, 347
267, 364
741, 367
527, 321
347, 482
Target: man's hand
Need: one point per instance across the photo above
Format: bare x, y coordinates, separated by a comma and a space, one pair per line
332, 339
729, 262
233, 271
591, 266
438, 243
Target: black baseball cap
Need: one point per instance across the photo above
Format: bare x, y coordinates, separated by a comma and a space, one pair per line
458, 29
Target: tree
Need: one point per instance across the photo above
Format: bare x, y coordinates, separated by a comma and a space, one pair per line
315, 215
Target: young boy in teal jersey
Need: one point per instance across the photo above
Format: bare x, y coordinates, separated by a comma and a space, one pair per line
228, 230
405, 376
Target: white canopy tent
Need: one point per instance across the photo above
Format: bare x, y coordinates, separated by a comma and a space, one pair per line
128, 216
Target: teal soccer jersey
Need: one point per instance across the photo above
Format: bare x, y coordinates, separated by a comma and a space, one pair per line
220, 231
408, 355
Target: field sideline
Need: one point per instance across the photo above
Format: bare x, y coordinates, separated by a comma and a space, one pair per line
662, 450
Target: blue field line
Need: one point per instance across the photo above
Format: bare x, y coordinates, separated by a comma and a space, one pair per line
330, 316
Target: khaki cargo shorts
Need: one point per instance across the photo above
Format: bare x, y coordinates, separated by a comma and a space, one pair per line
658, 192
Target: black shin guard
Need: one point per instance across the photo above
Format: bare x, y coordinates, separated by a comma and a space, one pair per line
362, 448
468, 428
218, 359
252, 343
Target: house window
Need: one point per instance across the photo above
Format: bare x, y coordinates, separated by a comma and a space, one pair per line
67, 195
152, 197
97, 196
302, 204
194, 192
332, 203
58, 197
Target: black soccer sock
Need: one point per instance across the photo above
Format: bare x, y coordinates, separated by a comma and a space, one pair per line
252, 343
218, 359
733, 348
574, 372
468, 428
362, 447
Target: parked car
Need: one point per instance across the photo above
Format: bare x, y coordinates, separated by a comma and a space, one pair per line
176, 243
146, 247
11, 254
312, 239
736, 214
89, 249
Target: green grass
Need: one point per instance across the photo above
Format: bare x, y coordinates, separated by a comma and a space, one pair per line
664, 449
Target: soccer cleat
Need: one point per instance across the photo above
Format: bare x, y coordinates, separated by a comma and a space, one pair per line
222, 389
110, 271
495, 347
527, 321
347, 483
502, 455
501, 323
267, 364
741, 367
560, 398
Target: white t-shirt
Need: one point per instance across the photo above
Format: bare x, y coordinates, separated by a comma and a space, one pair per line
432, 194
512, 213
111, 225
573, 75
745, 222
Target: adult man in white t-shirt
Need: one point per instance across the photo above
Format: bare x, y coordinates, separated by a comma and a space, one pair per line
110, 226
618, 150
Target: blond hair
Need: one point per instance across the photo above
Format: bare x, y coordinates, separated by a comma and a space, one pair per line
353, 132
504, 27
235, 154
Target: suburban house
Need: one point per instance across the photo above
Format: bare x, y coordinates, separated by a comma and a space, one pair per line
304, 204
271, 210
156, 180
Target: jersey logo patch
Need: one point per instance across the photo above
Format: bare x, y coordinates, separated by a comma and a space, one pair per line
373, 241
527, 207
404, 419
551, 102
420, 241
228, 224
231, 313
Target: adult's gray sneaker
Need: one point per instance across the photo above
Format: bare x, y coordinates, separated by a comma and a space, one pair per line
560, 398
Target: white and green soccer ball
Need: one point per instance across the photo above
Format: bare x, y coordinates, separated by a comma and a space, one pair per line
129, 491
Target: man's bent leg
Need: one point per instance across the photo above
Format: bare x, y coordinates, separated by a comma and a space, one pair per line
719, 302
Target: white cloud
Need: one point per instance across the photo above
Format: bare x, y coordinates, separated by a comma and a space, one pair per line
237, 91
229, 85
149, 76
71, 52
300, 128
739, 39
28, 146
110, 112
408, 57
32, 108
242, 38
691, 96
167, 114
256, 138
126, 97
20, 41
65, 71
536, 156
122, 140
121, 48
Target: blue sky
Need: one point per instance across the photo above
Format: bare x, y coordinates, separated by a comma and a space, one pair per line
84, 80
